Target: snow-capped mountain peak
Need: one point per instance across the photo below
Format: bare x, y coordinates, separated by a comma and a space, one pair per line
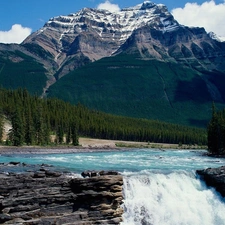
97, 33
147, 29
105, 22
216, 37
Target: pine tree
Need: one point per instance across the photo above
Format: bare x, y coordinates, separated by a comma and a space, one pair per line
1, 126
74, 135
216, 132
46, 131
60, 134
29, 127
68, 135
17, 132
39, 125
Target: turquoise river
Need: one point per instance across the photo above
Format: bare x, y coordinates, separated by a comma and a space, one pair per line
160, 187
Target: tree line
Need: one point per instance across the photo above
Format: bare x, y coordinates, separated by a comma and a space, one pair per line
216, 132
35, 121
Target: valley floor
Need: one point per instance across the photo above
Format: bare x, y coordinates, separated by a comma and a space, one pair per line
100, 143
90, 144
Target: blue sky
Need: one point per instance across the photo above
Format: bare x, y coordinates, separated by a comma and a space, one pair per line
30, 15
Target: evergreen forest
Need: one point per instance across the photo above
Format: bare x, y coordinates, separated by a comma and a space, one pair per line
216, 132
37, 121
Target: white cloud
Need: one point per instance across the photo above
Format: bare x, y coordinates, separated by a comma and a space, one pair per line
109, 6
209, 15
15, 35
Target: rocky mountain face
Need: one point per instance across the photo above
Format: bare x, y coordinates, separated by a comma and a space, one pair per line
146, 32
190, 46
90, 34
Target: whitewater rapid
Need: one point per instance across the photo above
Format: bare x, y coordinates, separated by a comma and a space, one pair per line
176, 198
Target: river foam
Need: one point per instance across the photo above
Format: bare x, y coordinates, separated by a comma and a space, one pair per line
177, 198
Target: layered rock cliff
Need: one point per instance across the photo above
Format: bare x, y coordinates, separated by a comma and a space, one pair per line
45, 196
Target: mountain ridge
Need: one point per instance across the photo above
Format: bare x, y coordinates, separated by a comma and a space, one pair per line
93, 34
109, 30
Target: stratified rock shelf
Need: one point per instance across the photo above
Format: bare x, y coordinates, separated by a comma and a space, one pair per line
45, 196
214, 177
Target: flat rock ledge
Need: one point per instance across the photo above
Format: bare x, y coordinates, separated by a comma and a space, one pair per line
45, 197
214, 177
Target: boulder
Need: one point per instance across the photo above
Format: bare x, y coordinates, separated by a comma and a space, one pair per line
214, 177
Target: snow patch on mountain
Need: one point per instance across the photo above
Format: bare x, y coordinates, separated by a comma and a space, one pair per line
119, 24
216, 37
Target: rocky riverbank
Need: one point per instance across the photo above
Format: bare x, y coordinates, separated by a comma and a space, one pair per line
214, 177
41, 195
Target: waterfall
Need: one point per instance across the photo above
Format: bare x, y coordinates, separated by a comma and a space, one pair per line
176, 198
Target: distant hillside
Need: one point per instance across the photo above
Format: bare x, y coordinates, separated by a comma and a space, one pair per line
134, 87
20, 70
